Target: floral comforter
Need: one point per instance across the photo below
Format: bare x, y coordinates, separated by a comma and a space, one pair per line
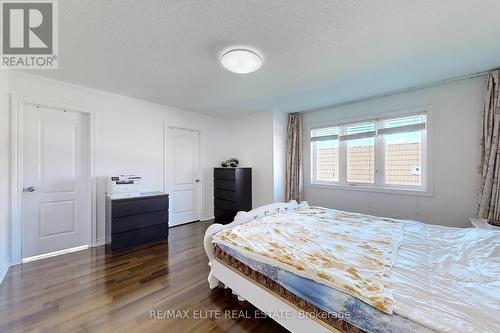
350, 252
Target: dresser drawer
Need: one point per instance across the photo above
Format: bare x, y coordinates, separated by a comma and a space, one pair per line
224, 215
127, 239
228, 185
225, 195
134, 206
132, 222
227, 205
228, 174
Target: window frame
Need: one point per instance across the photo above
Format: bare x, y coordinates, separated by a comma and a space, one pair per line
426, 189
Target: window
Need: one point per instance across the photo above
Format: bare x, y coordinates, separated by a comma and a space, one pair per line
360, 152
383, 153
326, 145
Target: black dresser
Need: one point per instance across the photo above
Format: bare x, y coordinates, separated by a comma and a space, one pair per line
232, 192
132, 221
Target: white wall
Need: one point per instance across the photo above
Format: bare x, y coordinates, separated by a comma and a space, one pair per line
280, 121
258, 140
4, 175
251, 142
128, 133
457, 119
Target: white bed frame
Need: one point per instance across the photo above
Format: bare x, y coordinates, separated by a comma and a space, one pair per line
265, 300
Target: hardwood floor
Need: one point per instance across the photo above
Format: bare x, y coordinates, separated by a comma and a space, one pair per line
91, 291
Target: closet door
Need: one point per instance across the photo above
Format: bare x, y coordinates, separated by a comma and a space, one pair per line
183, 170
55, 201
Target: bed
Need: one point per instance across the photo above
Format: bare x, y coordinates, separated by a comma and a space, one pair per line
323, 270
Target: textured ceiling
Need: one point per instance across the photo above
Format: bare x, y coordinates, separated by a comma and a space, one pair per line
316, 53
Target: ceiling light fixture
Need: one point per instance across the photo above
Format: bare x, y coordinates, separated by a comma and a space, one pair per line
241, 61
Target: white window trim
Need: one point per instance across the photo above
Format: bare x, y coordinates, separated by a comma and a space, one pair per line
427, 158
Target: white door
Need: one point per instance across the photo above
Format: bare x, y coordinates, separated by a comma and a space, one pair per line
55, 202
183, 170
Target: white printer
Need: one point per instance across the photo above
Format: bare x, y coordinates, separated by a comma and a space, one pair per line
124, 185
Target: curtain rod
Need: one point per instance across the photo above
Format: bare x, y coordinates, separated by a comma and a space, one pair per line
401, 91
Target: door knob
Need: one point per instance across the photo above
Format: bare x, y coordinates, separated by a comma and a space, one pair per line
29, 189
197, 180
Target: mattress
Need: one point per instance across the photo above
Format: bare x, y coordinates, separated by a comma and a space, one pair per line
308, 309
335, 308
442, 279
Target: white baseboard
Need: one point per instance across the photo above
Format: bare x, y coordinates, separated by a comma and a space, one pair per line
99, 242
55, 253
209, 218
4, 268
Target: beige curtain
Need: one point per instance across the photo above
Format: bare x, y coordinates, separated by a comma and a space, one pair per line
294, 182
489, 193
